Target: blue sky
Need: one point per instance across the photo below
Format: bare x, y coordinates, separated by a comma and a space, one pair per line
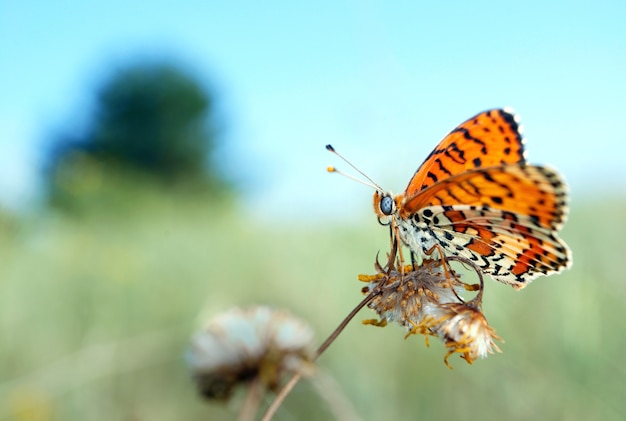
382, 81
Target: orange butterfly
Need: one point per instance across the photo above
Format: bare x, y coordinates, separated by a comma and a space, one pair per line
475, 197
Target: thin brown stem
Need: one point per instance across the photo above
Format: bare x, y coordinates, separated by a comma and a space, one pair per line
343, 324
288, 387
280, 397
251, 404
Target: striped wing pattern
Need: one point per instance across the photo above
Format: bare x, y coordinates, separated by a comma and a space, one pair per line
490, 138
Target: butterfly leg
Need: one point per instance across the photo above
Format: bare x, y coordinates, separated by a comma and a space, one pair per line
391, 256
447, 270
396, 247
444, 263
413, 259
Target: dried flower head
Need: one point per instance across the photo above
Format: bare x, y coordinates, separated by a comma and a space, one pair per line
464, 330
409, 295
427, 300
242, 345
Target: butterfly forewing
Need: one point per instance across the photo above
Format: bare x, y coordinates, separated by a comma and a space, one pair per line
490, 138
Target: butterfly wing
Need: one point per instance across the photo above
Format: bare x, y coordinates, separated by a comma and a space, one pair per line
509, 247
535, 191
504, 218
490, 138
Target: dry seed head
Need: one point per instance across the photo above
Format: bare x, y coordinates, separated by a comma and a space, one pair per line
240, 345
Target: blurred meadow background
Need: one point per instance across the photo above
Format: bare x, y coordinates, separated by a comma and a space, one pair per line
161, 163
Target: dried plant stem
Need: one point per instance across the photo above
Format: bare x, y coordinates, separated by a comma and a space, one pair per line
343, 324
288, 387
280, 397
251, 403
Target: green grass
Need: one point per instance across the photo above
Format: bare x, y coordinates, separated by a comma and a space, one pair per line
96, 312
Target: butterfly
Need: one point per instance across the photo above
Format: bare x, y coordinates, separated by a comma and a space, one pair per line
475, 197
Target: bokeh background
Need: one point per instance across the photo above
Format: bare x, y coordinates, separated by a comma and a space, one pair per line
162, 162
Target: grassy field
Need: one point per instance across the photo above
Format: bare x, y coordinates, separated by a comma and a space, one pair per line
96, 311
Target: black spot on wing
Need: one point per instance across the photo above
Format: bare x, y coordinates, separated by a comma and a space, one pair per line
535, 219
466, 134
510, 120
510, 216
471, 191
475, 190
496, 269
507, 188
458, 156
443, 169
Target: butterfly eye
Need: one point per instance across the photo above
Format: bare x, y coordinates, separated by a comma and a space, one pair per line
386, 205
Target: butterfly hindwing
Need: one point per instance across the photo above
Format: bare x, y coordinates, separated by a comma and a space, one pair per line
511, 248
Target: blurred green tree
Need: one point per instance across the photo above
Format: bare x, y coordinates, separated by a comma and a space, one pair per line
151, 121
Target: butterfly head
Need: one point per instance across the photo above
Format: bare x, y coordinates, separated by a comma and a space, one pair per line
385, 206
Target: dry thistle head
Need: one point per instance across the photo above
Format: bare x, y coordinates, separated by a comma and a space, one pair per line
409, 295
242, 345
427, 300
464, 330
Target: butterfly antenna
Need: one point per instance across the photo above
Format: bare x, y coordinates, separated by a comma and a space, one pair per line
351, 177
333, 169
